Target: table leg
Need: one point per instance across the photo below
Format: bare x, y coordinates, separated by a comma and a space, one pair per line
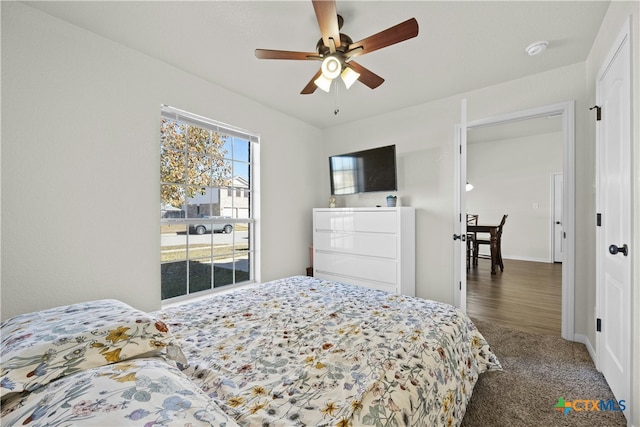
494, 250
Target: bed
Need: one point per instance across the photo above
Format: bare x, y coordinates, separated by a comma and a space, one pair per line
292, 352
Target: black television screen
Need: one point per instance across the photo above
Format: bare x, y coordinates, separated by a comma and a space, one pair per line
364, 171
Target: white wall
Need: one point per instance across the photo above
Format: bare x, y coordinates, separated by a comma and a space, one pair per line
513, 176
80, 156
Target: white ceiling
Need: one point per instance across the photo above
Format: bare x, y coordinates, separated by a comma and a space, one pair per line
461, 46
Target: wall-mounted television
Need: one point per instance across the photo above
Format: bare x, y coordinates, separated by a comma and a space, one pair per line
364, 171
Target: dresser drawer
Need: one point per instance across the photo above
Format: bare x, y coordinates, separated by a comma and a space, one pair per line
376, 269
359, 221
368, 244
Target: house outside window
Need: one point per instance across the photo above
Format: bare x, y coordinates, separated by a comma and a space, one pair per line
207, 231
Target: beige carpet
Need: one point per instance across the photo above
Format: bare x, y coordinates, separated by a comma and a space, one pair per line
538, 369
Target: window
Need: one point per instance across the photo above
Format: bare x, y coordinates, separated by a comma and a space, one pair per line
207, 232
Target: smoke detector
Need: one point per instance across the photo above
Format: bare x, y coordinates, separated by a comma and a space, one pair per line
537, 48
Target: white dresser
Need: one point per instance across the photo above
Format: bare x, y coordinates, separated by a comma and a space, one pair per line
372, 247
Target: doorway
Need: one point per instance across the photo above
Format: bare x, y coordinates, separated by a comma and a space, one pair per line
565, 112
513, 168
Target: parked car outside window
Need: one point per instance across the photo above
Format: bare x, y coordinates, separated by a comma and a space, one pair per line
208, 227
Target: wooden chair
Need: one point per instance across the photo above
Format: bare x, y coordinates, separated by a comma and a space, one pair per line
498, 255
472, 219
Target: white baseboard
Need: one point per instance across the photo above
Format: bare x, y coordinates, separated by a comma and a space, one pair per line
584, 340
520, 258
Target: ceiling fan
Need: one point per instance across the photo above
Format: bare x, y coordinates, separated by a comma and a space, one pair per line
336, 50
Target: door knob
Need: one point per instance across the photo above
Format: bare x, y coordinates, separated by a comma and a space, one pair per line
458, 236
613, 249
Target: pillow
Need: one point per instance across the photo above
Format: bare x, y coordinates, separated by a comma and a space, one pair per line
39, 347
146, 391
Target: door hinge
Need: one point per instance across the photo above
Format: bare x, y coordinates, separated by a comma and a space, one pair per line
460, 285
598, 325
598, 112
598, 220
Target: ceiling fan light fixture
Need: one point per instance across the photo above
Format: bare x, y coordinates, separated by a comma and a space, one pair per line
331, 67
323, 83
349, 76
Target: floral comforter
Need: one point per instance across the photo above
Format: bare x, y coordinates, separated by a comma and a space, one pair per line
98, 363
306, 352
145, 392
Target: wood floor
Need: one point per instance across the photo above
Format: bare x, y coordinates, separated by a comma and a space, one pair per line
526, 295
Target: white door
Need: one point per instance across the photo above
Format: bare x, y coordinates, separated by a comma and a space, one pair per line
613, 142
557, 218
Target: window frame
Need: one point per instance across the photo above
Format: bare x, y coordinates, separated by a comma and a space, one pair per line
252, 193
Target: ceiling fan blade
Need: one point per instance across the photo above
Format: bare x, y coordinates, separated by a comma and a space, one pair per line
286, 54
367, 77
328, 22
396, 34
311, 86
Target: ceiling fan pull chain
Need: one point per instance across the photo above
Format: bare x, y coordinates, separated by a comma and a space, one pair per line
337, 110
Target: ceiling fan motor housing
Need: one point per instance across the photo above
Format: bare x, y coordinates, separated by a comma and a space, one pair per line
345, 42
